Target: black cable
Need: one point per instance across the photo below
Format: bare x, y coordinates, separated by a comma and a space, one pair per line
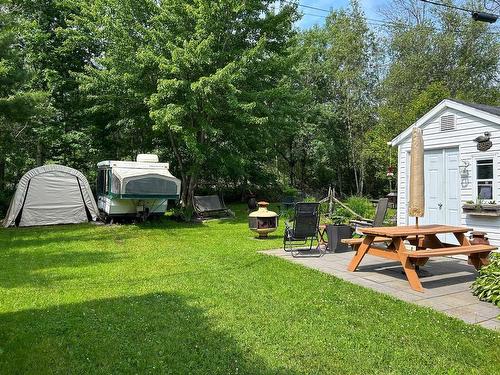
380, 22
306, 6
455, 7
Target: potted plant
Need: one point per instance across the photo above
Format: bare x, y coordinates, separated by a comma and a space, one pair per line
337, 230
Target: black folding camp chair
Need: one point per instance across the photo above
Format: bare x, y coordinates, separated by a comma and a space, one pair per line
303, 230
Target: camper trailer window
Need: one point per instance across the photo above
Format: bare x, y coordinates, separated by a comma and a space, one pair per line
107, 176
102, 181
151, 185
484, 177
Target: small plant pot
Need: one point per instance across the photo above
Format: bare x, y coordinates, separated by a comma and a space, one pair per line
336, 233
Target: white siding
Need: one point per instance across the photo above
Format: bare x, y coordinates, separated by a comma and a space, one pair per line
467, 128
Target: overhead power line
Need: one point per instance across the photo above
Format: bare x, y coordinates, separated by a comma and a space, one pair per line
455, 7
306, 6
370, 21
374, 21
476, 15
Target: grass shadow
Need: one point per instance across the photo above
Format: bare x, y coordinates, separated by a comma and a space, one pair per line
154, 333
168, 222
19, 268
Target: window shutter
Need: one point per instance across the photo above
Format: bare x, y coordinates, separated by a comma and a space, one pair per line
447, 123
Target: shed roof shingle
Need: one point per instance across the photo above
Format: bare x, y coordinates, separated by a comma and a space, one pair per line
482, 107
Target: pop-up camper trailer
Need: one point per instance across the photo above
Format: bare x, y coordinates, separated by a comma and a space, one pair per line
135, 189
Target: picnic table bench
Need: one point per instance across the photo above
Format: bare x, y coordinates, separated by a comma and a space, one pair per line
424, 238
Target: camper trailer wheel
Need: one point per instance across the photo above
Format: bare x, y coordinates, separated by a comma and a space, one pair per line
143, 216
105, 218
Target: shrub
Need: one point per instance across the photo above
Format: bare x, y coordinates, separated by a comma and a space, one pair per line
183, 213
310, 200
289, 191
361, 205
487, 285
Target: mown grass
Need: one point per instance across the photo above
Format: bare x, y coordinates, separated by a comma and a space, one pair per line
180, 298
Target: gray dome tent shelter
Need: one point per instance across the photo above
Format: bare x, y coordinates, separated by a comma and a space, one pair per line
51, 194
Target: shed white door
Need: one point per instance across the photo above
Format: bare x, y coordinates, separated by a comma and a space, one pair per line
442, 189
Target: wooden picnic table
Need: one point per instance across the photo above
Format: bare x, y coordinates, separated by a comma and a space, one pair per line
427, 243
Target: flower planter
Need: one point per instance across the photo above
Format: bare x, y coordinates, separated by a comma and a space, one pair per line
336, 233
481, 210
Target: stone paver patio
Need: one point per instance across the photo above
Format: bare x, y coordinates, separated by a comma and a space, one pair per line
446, 282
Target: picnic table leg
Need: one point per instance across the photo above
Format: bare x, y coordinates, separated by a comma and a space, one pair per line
462, 239
429, 240
473, 258
360, 253
433, 241
408, 267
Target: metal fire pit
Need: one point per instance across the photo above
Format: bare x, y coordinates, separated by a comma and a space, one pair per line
263, 221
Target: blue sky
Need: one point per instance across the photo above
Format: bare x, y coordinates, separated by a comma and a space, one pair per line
370, 7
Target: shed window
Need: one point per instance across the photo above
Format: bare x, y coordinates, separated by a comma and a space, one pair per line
484, 177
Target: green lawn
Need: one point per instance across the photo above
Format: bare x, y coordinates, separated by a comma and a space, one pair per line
178, 298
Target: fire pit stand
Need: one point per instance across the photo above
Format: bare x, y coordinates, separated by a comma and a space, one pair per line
263, 221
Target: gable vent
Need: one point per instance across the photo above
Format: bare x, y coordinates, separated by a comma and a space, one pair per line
447, 123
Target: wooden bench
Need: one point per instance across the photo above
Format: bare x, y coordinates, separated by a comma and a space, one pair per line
355, 242
478, 254
466, 250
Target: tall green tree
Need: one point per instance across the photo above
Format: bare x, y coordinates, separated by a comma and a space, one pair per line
207, 73
65, 137
340, 67
433, 53
23, 108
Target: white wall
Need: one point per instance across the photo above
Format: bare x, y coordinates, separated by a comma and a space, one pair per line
467, 128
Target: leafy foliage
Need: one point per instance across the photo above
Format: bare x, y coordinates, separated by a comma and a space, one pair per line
229, 92
23, 107
487, 285
340, 69
361, 205
443, 54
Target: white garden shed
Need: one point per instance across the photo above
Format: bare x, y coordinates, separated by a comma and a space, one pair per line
462, 170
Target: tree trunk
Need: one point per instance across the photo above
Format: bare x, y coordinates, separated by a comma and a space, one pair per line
188, 187
339, 180
39, 154
291, 164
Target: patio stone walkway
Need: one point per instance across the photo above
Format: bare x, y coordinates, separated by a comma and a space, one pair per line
447, 283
